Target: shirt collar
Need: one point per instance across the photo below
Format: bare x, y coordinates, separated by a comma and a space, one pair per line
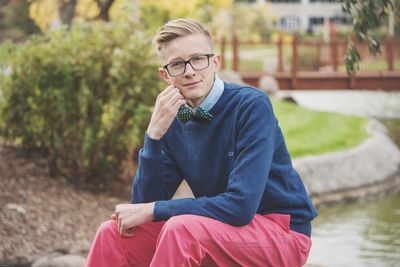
215, 93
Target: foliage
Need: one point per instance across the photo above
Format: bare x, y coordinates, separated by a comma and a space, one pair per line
82, 96
49, 14
154, 13
308, 59
396, 14
367, 16
15, 23
6, 49
248, 22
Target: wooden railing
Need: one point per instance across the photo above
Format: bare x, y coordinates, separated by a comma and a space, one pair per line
295, 63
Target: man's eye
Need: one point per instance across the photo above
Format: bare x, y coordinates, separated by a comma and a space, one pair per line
198, 58
176, 65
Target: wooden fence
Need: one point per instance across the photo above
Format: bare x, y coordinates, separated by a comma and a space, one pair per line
301, 64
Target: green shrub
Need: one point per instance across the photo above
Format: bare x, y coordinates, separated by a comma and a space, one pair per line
308, 59
83, 96
6, 49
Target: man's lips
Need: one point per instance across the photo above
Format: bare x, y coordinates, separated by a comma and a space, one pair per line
192, 83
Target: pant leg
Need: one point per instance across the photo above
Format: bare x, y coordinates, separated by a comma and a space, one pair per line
190, 240
109, 249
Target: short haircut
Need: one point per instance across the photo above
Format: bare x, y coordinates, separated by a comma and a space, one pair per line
179, 28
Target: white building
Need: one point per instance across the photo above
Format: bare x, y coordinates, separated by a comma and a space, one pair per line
306, 15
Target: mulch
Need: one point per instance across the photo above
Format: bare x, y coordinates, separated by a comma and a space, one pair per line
40, 215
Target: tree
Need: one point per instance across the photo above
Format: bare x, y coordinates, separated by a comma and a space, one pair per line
229, 21
67, 11
104, 6
367, 16
155, 13
50, 13
15, 23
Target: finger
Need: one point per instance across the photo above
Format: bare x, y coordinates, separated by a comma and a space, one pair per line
171, 100
113, 216
175, 98
128, 232
127, 235
166, 90
178, 104
119, 226
120, 230
169, 95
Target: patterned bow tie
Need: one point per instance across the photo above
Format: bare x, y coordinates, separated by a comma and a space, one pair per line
186, 113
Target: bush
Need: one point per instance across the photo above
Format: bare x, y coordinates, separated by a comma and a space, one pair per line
308, 59
83, 96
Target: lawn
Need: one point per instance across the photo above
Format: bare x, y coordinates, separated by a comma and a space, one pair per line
309, 132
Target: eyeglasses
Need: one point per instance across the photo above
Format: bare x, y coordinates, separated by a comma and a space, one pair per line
198, 62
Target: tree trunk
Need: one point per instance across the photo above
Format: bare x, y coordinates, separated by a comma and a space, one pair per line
67, 12
104, 7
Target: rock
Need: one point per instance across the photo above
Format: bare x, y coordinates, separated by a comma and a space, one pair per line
60, 261
269, 84
375, 126
18, 208
231, 76
372, 162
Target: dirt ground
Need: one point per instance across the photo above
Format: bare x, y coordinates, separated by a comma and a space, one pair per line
41, 216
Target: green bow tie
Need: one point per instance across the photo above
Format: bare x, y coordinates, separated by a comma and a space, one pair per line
186, 113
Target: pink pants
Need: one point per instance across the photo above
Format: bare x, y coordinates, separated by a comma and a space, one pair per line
190, 240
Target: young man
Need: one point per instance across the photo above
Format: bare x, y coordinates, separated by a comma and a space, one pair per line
250, 206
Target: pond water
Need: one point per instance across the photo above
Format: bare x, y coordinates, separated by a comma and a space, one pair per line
360, 234
365, 233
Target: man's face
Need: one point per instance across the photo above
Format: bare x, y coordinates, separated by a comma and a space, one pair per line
193, 84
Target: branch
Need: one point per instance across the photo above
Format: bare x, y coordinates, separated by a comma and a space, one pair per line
367, 15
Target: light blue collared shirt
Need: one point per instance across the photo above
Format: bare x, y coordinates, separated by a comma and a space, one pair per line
214, 94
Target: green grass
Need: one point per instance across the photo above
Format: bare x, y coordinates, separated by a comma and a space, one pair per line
309, 132
376, 65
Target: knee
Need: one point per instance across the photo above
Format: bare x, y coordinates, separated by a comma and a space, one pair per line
107, 227
183, 223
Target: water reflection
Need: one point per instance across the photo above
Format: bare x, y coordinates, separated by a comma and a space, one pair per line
358, 234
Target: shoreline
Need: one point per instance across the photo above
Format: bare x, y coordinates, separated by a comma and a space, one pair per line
371, 168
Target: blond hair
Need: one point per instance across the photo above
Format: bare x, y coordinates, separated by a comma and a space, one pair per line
179, 28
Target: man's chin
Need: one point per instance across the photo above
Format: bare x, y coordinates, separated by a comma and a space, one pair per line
193, 100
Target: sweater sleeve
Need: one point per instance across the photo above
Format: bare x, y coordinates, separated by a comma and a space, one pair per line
157, 177
256, 126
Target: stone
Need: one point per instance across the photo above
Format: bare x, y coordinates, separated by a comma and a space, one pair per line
375, 126
371, 162
269, 84
17, 208
60, 261
231, 76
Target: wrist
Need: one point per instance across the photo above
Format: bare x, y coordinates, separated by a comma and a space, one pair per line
153, 134
150, 211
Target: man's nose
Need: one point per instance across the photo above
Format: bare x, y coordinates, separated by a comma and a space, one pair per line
189, 70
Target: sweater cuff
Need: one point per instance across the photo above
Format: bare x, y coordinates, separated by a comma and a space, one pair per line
151, 146
162, 210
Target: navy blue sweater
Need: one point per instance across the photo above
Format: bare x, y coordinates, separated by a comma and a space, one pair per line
237, 165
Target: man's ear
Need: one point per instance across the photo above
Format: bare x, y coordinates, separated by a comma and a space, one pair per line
217, 62
163, 73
